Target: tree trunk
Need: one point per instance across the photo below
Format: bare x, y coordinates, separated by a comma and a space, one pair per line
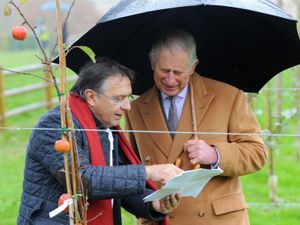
297, 95
278, 104
278, 94
297, 115
270, 144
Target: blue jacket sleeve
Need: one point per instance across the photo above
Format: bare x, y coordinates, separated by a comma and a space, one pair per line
135, 205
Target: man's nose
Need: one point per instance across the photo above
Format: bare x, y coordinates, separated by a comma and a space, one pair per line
126, 105
170, 76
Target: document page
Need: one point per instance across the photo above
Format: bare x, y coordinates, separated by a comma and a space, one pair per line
189, 183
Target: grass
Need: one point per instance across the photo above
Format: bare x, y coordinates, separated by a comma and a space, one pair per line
12, 152
274, 216
12, 161
13, 59
13, 144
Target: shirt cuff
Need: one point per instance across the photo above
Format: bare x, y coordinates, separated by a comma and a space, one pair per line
216, 165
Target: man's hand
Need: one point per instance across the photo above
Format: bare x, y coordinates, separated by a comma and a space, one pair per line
167, 204
162, 172
200, 152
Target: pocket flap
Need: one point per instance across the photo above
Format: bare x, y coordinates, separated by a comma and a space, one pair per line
229, 203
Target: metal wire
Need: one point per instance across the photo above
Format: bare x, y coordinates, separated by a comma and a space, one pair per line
263, 134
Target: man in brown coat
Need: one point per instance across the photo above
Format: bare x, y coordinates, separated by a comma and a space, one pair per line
223, 118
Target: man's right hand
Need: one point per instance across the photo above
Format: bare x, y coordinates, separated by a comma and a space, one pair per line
162, 172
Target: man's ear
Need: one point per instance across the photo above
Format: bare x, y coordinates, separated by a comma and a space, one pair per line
194, 66
90, 97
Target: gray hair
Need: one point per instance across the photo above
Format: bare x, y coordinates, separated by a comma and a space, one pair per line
177, 39
93, 75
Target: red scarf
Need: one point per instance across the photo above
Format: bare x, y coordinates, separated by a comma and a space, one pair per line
81, 111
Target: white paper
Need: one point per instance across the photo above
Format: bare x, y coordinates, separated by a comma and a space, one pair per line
189, 183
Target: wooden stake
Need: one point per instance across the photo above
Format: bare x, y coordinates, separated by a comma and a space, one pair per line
48, 89
63, 108
76, 177
194, 120
2, 100
66, 161
178, 161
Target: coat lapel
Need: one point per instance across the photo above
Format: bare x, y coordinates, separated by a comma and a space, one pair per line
202, 98
153, 118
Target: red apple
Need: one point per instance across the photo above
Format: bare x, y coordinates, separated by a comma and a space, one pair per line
61, 200
62, 146
19, 33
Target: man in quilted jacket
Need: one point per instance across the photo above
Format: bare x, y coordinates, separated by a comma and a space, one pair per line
97, 101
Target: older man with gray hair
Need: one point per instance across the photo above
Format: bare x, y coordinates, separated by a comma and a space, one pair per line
219, 109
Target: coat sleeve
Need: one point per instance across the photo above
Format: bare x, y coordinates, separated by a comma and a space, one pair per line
102, 182
242, 154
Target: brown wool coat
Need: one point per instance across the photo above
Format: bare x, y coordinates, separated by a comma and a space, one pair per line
219, 108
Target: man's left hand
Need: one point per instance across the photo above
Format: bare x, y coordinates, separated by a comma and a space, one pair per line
167, 204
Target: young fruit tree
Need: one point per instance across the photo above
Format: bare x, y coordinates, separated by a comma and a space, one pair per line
75, 201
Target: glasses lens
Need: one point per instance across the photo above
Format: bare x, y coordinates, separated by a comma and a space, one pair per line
130, 98
119, 102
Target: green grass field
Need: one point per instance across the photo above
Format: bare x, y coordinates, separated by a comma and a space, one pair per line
13, 143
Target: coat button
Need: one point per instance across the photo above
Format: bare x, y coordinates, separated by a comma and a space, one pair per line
201, 214
147, 158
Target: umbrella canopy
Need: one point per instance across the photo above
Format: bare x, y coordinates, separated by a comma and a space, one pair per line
51, 5
240, 42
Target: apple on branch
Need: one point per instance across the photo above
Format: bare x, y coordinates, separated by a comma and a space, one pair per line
19, 33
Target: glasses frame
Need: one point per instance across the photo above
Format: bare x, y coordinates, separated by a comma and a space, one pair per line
119, 102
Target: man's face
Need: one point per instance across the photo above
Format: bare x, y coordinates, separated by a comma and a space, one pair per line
109, 105
171, 71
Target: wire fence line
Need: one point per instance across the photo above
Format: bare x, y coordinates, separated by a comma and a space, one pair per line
280, 89
275, 205
263, 134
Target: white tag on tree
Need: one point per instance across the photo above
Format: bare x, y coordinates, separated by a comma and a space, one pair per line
67, 202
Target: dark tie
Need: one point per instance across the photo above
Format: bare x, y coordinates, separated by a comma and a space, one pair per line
173, 116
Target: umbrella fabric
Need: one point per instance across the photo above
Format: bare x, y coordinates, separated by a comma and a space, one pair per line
51, 5
240, 42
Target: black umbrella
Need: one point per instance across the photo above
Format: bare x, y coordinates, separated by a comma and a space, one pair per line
241, 42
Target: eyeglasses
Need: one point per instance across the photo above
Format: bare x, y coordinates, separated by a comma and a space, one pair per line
119, 102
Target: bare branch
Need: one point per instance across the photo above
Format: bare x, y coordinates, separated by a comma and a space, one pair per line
28, 74
32, 29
